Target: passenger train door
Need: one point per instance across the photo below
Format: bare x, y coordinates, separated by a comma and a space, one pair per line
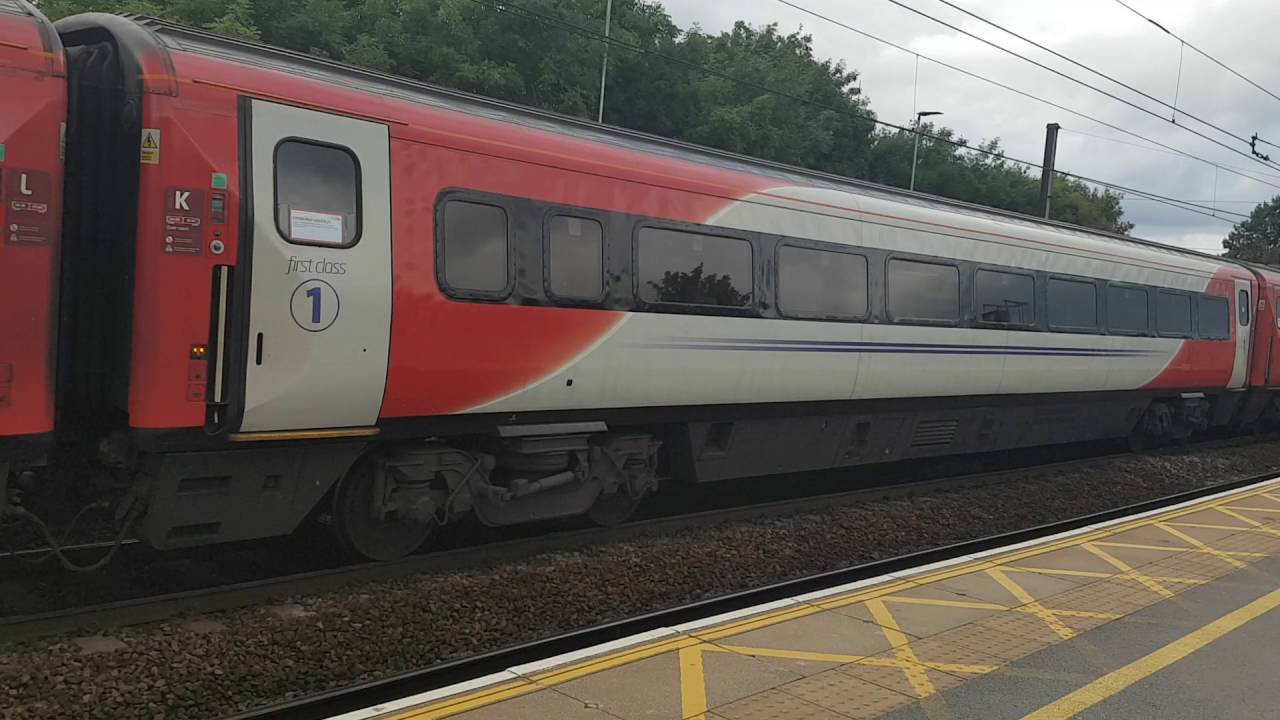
320, 288
1244, 332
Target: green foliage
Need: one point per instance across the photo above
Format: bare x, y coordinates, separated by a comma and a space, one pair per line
1258, 238
819, 120
699, 288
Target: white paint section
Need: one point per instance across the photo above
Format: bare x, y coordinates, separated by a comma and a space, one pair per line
656, 359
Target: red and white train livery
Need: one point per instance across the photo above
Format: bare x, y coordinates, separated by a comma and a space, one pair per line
294, 287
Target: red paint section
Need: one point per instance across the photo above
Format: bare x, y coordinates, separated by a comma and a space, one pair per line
33, 88
173, 280
1206, 363
1264, 363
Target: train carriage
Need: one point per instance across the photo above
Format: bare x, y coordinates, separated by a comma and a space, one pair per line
33, 101
302, 288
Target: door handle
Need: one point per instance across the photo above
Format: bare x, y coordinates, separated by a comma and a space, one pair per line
257, 354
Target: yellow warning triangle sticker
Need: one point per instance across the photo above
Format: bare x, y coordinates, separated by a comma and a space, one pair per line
149, 142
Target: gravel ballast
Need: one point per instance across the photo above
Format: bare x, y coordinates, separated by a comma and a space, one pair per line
223, 663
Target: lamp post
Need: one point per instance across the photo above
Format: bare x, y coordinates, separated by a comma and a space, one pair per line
915, 152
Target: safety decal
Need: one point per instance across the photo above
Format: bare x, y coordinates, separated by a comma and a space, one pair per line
29, 218
184, 221
150, 146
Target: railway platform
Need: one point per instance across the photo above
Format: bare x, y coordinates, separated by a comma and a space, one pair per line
1171, 614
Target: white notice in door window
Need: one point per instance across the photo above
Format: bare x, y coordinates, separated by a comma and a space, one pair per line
315, 227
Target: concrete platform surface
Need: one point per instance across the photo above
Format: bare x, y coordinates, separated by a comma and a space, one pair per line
1170, 615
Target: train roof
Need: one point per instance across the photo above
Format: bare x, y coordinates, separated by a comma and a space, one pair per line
176, 37
33, 16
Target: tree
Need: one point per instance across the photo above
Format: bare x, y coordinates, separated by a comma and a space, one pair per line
698, 288
1258, 238
750, 90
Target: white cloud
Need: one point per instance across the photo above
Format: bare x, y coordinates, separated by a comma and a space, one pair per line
1099, 33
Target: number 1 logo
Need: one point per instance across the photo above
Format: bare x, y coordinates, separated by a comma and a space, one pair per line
314, 305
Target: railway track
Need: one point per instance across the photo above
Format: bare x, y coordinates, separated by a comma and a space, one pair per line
161, 607
334, 703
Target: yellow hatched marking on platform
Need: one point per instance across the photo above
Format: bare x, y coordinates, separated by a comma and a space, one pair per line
688, 646
1103, 575
1129, 572
1179, 549
1200, 546
1252, 509
1031, 605
919, 680
973, 605
1254, 524
1114, 682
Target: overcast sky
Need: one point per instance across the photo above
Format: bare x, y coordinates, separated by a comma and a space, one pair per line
1098, 33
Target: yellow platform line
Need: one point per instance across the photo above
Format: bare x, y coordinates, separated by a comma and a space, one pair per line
1247, 520
1253, 509
693, 684
1129, 572
916, 675
1173, 549
1114, 682
1102, 575
1200, 546
1031, 605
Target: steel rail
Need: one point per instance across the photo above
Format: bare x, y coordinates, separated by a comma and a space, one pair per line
329, 704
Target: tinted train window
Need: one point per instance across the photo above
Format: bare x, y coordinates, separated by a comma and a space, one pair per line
1173, 314
673, 266
317, 194
1002, 297
1073, 304
1127, 309
1244, 307
1215, 318
923, 291
475, 247
575, 257
821, 283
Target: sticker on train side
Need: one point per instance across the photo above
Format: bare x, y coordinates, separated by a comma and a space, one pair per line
150, 152
29, 218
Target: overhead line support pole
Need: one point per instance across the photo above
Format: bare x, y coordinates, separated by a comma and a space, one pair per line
604, 63
1046, 173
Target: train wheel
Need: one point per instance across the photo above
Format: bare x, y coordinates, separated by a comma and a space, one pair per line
366, 534
614, 508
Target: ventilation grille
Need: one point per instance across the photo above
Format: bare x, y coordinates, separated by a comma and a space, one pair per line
934, 432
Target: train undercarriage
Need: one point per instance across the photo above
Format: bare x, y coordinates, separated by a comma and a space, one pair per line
384, 499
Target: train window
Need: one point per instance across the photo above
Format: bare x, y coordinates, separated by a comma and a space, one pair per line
674, 266
1215, 318
575, 257
821, 283
923, 291
1128, 310
1004, 297
1244, 307
1173, 314
474, 253
317, 194
1073, 304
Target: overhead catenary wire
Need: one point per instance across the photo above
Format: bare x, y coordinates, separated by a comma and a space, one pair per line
1171, 149
1204, 54
1084, 84
567, 26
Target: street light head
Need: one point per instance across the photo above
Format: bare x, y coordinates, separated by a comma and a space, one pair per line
927, 113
